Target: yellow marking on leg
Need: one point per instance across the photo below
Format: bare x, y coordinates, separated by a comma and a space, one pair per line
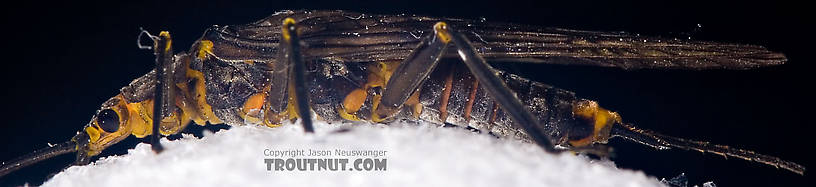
274, 120
346, 114
291, 107
441, 31
378, 76
413, 102
288, 22
188, 108
170, 125
187, 113
290, 113
271, 119
169, 43
177, 120
375, 104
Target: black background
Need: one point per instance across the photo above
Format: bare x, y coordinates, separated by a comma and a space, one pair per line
61, 60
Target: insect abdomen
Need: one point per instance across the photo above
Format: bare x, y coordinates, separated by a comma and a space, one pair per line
468, 104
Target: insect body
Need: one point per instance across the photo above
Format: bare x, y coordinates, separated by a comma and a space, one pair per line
358, 70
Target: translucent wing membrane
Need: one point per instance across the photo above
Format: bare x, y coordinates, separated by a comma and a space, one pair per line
348, 36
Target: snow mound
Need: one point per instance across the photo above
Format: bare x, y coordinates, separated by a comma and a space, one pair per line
416, 154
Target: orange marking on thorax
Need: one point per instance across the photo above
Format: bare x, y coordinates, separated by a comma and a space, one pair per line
255, 101
378, 75
354, 100
251, 111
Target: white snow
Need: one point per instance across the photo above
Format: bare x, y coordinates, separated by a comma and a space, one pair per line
417, 155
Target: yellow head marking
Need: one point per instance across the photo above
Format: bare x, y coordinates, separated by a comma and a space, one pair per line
98, 137
93, 133
441, 31
141, 118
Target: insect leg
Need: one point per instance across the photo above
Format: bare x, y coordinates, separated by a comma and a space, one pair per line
163, 97
291, 44
499, 91
412, 72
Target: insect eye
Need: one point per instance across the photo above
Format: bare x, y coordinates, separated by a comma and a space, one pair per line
108, 120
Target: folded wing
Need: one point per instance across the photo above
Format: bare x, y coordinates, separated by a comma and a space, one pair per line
355, 37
